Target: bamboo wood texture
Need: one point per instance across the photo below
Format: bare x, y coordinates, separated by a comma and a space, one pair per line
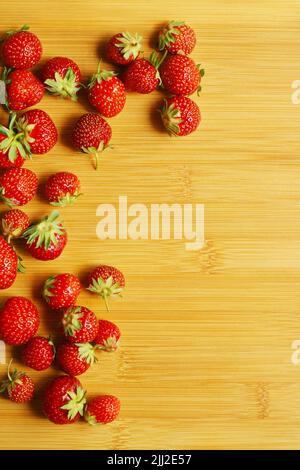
205, 355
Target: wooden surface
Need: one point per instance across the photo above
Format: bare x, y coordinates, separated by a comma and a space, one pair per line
206, 346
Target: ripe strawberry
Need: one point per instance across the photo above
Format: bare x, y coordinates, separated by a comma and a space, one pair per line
142, 75
19, 320
21, 49
14, 224
124, 48
12, 152
47, 239
23, 89
75, 359
80, 325
102, 409
39, 131
91, 134
108, 336
62, 188
106, 281
61, 77
64, 400
8, 264
18, 186
18, 385
180, 115
107, 93
177, 38
38, 353
180, 75
61, 291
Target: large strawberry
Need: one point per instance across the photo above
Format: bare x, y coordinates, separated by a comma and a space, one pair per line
177, 38
39, 133
142, 75
8, 264
80, 325
14, 223
107, 93
180, 115
23, 89
108, 336
75, 359
18, 186
61, 291
180, 75
64, 400
38, 353
61, 77
124, 48
12, 152
62, 188
102, 409
19, 320
18, 386
107, 282
47, 239
21, 49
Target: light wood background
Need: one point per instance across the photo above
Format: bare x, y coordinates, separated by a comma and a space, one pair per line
205, 357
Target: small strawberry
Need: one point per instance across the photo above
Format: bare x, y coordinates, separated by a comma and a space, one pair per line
180, 115
102, 409
108, 336
61, 77
19, 320
18, 386
23, 89
14, 224
91, 134
142, 75
75, 359
180, 75
18, 186
38, 353
124, 48
12, 152
106, 281
64, 400
177, 38
62, 188
107, 93
61, 291
38, 130
47, 239
8, 265
21, 49
80, 325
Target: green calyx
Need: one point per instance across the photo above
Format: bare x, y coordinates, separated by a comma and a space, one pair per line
71, 320
10, 32
13, 142
168, 34
106, 289
87, 352
66, 200
13, 379
49, 284
94, 152
156, 61
44, 233
130, 45
110, 344
171, 118
76, 403
101, 75
66, 87
25, 129
90, 419
10, 202
201, 73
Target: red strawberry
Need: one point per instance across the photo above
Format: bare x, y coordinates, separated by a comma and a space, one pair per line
75, 359
61, 291
61, 77
180, 75
23, 89
108, 336
14, 224
142, 75
12, 152
39, 131
107, 93
80, 325
102, 409
18, 385
21, 49
91, 134
38, 353
19, 320
106, 281
177, 38
64, 400
8, 265
180, 115
18, 186
47, 239
62, 188
124, 48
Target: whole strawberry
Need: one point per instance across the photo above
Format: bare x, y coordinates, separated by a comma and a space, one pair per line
62, 188
64, 400
23, 89
102, 409
106, 281
75, 359
39, 131
18, 186
19, 320
18, 386
180, 75
180, 115
91, 134
124, 48
142, 75
8, 264
38, 353
14, 223
107, 93
12, 152
177, 38
80, 325
108, 336
21, 49
61, 291
47, 239
61, 77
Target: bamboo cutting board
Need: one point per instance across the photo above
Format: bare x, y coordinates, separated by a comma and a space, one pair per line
205, 361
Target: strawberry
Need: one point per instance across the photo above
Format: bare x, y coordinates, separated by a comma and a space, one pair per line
12, 152
180, 115
61, 291
108, 336
18, 386
80, 325
39, 131
91, 134
38, 353
106, 281
23, 89
14, 224
102, 409
21, 49
177, 38
47, 239
19, 320
124, 48
75, 359
142, 75
18, 186
180, 75
62, 188
8, 264
107, 93
64, 400
61, 77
